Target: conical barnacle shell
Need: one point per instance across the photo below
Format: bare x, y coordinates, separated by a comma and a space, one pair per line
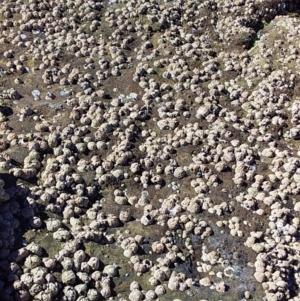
136, 295
27, 279
62, 234
32, 261
93, 262
105, 291
158, 247
34, 248
53, 224
35, 289
205, 281
93, 295
111, 270
160, 290
70, 293
68, 277
179, 172
259, 276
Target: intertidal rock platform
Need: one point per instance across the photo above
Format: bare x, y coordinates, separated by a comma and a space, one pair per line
149, 150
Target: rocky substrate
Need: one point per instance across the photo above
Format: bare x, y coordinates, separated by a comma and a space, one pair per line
149, 150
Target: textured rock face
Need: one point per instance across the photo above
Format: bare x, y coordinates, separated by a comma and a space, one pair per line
153, 141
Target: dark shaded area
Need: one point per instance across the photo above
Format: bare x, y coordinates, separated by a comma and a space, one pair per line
6, 110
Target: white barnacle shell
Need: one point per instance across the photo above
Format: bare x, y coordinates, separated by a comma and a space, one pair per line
136, 295
39, 273
153, 281
133, 247
173, 223
135, 167
31, 163
128, 253
32, 261
79, 256
273, 297
124, 216
121, 200
35, 222
134, 285
84, 267
68, 277
81, 201
34, 248
134, 259
69, 293
27, 279
258, 248
160, 290
35, 289
75, 222
72, 245
205, 281
81, 289
229, 271
297, 207
179, 172
220, 287
193, 207
147, 219
221, 166
93, 262
212, 257
53, 224
81, 147
259, 276
189, 226
62, 235
111, 270
174, 283
52, 288
84, 277
141, 267
249, 242
158, 247
151, 295
92, 295
118, 174
43, 296
160, 275
112, 220
49, 263
105, 291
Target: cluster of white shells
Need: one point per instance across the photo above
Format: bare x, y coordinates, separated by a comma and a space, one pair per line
158, 128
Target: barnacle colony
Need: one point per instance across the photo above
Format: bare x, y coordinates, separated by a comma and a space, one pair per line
149, 150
